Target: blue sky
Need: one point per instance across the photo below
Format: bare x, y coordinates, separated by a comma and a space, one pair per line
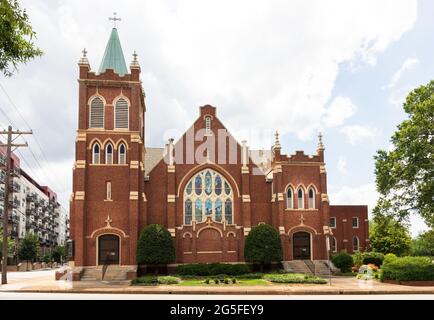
340, 67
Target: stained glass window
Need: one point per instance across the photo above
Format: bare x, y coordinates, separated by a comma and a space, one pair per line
208, 198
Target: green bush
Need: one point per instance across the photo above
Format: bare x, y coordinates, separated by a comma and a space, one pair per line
168, 280
212, 269
389, 257
263, 245
374, 258
343, 261
408, 269
293, 278
146, 280
155, 246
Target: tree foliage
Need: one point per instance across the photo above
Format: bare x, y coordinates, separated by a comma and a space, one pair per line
155, 246
10, 244
405, 175
16, 37
29, 248
423, 245
388, 235
263, 245
58, 254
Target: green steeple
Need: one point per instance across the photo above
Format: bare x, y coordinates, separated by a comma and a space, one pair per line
113, 56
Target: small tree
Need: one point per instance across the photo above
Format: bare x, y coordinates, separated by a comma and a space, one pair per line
423, 245
10, 244
263, 245
155, 246
343, 261
59, 254
29, 248
387, 235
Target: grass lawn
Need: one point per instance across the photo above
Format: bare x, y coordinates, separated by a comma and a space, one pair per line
246, 282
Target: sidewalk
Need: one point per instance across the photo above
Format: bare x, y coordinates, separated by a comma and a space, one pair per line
43, 281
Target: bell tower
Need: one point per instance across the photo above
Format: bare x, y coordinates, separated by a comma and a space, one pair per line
109, 152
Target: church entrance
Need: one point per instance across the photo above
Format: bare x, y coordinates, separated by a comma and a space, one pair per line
108, 249
301, 246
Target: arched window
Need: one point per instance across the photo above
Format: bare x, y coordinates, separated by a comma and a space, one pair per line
208, 194
122, 156
121, 114
109, 154
289, 199
96, 114
333, 245
300, 198
311, 202
355, 244
96, 154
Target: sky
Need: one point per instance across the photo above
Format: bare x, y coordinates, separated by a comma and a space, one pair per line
342, 68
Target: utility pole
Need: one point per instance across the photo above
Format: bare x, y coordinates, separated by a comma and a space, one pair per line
10, 139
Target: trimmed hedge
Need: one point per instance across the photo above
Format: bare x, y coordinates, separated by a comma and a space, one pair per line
152, 280
293, 278
212, 269
343, 261
374, 258
408, 269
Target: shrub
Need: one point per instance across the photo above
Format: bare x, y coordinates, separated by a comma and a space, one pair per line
216, 281
293, 278
168, 280
389, 257
408, 269
373, 258
248, 276
234, 280
212, 269
263, 245
145, 280
343, 261
155, 246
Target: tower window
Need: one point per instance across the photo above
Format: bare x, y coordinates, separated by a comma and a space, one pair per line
96, 154
108, 190
109, 154
289, 199
311, 198
208, 125
122, 154
96, 113
121, 114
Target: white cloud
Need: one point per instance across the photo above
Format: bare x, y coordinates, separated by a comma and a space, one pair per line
262, 64
357, 133
408, 64
342, 165
365, 194
340, 109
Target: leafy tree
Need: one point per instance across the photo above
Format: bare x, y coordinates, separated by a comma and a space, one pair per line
263, 245
10, 244
405, 175
59, 253
423, 245
29, 248
388, 235
155, 246
16, 37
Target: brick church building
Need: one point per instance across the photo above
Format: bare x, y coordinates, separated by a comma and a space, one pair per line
206, 188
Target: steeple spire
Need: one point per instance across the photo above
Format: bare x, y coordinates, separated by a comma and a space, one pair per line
113, 55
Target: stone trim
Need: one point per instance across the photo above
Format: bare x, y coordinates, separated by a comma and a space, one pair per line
345, 240
134, 164
134, 195
281, 230
280, 197
170, 169
142, 167
324, 197
79, 195
247, 230
171, 198
81, 136
322, 169
344, 220
144, 197
80, 164
172, 231
209, 252
246, 197
245, 170
277, 168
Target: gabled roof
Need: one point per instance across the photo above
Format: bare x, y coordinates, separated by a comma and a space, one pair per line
113, 55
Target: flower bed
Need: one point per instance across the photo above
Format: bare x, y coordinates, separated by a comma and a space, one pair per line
293, 278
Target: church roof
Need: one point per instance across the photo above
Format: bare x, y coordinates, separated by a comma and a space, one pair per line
113, 55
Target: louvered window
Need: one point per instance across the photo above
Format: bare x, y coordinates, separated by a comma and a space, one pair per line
121, 114
97, 113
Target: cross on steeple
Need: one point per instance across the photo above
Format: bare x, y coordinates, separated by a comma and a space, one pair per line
84, 52
114, 19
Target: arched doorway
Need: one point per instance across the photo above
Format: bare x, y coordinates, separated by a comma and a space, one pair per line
108, 249
301, 246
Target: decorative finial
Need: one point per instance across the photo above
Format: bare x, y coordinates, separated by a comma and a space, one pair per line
135, 62
276, 141
114, 19
320, 144
83, 59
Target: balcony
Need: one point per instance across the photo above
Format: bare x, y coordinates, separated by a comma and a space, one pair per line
15, 187
16, 172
